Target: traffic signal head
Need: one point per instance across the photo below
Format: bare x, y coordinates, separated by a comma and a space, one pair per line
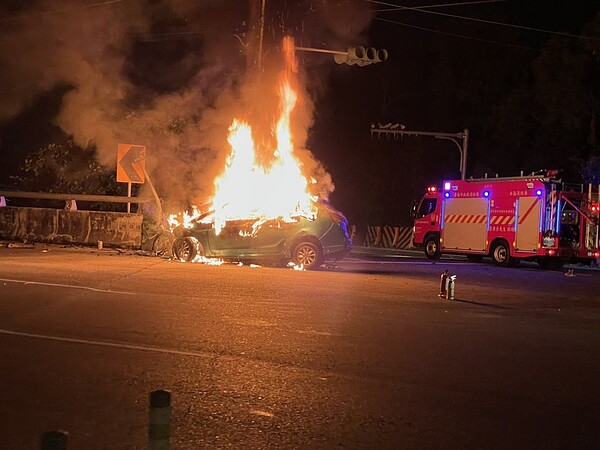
361, 56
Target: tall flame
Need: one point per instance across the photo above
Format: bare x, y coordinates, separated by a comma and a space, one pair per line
248, 190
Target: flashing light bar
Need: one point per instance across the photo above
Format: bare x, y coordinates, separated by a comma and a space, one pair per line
432, 189
447, 186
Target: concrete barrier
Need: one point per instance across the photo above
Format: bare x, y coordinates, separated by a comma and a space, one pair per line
388, 237
73, 227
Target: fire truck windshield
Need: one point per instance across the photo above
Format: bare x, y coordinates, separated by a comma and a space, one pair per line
426, 207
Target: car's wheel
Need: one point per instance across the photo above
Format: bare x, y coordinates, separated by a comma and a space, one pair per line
308, 254
501, 254
475, 258
185, 248
432, 248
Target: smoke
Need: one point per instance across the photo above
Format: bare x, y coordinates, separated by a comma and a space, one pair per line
170, 75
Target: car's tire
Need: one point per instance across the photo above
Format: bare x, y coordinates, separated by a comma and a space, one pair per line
501, 254
308, 254
475, 258
432, 248
186, 248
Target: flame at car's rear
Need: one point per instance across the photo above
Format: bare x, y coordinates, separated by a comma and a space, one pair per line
252, 191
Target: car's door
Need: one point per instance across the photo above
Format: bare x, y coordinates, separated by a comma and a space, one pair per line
269, 237
232, 240
250, 238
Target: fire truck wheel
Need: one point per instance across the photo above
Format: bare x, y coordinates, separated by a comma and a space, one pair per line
308, 254
432, 248
501, 254
475, 258
186, 248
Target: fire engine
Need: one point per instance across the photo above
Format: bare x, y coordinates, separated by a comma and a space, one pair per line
510, 219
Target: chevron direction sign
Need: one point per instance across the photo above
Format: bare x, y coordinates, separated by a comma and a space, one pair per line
131, 162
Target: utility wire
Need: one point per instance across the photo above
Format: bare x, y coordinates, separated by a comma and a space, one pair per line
441, 5
487, 41
39, 13
490, 22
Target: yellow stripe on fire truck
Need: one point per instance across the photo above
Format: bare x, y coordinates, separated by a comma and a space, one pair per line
502, 220
465, 218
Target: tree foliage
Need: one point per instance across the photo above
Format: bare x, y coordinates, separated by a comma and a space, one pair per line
65, 168
550, 119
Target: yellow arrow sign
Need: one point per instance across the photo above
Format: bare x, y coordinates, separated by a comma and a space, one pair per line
131, 162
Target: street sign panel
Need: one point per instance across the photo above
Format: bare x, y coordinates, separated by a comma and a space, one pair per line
131, 163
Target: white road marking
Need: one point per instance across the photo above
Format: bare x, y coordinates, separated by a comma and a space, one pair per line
73, 286
107, 344
261, 413
416, 263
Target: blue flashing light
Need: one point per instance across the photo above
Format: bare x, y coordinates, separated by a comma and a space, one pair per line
447, 194
486, 194
539, 192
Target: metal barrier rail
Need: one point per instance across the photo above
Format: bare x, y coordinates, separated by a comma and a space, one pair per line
76, 197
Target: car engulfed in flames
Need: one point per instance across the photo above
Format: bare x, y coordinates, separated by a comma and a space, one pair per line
308, 243
264, 211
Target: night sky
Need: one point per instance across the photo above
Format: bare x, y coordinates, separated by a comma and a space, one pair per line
523, 77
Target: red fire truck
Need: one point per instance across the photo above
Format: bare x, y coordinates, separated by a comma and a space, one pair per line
510, 219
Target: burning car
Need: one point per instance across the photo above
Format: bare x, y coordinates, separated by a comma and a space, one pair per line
263, 205
308, 243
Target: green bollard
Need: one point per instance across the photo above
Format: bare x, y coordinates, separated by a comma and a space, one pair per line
54, 440
159, 432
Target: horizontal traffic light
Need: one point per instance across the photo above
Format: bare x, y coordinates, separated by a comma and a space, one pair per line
361, 56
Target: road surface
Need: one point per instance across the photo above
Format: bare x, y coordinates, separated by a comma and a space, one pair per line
360, 355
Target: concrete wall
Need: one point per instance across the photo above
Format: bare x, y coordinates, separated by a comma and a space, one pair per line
76, 227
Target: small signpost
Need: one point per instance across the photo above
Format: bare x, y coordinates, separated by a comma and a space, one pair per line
131, 166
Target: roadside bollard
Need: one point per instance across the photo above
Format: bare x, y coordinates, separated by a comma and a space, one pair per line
450, 289
54, 440
160, 420
100, 245
443, 284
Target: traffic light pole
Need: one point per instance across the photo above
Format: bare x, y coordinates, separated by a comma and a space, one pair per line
463, 137
320, 50
360, 55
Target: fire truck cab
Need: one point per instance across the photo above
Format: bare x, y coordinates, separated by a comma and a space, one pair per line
510, 219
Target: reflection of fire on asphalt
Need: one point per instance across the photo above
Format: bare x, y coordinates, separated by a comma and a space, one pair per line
205, 260
219, 262
247, 190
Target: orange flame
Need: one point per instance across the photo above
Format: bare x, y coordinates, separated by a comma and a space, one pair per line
249, 190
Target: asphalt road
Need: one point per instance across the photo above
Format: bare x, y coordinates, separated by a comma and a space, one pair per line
360, 355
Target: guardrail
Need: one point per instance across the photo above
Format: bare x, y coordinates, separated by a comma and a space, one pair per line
76, 197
